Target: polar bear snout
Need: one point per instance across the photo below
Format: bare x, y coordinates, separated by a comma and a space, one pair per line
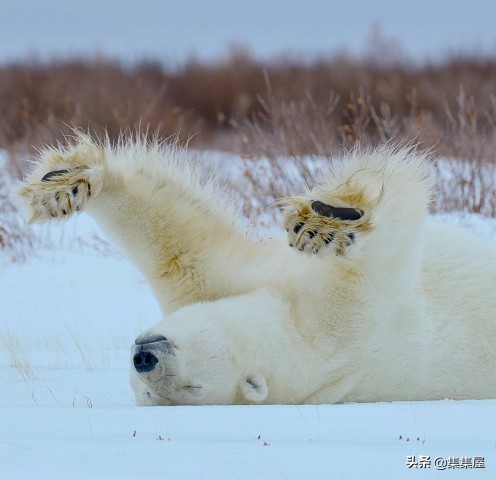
148, 350
144, 361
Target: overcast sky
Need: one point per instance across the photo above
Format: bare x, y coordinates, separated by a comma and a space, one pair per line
173, 30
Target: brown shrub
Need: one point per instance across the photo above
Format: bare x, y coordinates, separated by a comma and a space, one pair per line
207, 100
279, 108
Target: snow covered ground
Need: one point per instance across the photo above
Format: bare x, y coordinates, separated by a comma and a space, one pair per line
68, 315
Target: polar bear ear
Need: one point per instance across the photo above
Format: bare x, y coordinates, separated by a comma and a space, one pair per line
254, 388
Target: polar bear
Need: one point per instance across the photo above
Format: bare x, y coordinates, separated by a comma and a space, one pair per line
365, 300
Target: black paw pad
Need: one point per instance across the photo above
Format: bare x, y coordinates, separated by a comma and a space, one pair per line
336, 212
55, 173
298, 227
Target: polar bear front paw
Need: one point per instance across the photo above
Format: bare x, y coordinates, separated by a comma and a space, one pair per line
318, 228
59, 193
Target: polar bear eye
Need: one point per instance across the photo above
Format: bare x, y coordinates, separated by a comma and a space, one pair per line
193, 390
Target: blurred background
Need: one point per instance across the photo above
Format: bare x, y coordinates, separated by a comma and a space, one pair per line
258, 76
281, 81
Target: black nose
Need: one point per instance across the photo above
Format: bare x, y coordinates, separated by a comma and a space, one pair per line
144, 362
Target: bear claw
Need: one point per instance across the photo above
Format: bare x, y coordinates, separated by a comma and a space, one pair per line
298, 227
55, 173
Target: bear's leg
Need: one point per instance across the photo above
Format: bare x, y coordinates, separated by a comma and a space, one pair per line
375, 204
148, 200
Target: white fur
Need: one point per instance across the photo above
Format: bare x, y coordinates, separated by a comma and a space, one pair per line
404, 312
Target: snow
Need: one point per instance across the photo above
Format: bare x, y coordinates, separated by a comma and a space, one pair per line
307, 442
69, 314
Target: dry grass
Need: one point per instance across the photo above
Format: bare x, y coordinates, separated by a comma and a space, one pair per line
288, 133
15, 236
283, 111
341, 99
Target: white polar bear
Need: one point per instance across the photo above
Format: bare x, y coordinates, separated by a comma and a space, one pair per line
374, 302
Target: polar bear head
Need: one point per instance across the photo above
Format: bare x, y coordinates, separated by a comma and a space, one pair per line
210, 353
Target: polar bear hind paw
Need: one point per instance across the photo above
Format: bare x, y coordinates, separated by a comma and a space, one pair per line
59, 193
318, 228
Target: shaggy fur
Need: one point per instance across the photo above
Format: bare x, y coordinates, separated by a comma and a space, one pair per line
377, 304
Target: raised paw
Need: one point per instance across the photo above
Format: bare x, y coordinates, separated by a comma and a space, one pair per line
59, 193
318, 228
